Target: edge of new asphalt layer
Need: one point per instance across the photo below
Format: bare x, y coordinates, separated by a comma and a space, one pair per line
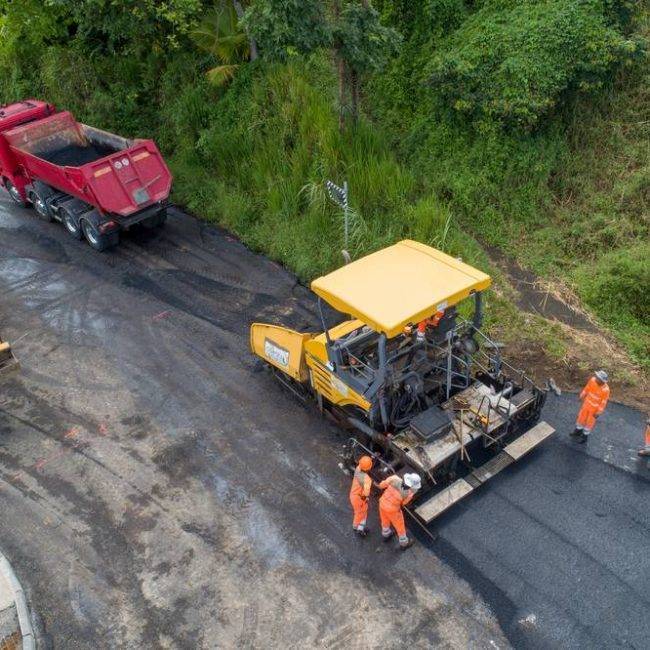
17, 594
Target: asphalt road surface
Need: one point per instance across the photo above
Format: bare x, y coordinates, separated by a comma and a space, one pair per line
157, 490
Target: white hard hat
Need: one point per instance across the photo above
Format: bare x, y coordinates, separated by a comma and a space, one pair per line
413, 481
602, 375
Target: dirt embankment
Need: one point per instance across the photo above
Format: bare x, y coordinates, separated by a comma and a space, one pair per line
585, 345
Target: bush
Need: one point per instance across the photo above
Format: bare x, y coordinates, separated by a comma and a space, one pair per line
617, 288
512, 62
619, 284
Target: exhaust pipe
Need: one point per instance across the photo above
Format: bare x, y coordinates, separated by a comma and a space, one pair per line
378, 438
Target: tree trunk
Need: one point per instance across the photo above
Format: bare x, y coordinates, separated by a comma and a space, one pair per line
341, 74
354, 92
340, 66
239, 10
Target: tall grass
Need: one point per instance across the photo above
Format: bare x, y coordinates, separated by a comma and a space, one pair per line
270, 146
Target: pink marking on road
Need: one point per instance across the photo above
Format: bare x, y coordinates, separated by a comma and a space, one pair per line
161, 315
72, 433
41, 462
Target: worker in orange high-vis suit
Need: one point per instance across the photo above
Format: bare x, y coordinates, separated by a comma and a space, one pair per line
594, 398
398, 492
428, 322
359, 493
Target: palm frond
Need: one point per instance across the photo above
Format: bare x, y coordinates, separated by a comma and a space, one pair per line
221, 74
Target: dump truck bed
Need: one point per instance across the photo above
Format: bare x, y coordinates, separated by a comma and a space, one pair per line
115, 175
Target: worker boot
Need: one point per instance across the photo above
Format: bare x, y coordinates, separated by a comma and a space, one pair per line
583, 438
362, 532
407, 544
576, 432
645, 451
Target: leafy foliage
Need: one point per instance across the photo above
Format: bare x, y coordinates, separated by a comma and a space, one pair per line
220, 34
512, 61
130, 25
365, 43
288, 28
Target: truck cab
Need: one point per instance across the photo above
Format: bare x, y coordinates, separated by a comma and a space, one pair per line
11, 116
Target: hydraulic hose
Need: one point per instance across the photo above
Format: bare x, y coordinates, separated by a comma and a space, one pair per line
375, 436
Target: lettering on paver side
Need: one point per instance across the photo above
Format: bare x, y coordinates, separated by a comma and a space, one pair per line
276, 353
338, 385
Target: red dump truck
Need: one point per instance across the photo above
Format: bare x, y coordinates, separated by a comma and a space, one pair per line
96, 183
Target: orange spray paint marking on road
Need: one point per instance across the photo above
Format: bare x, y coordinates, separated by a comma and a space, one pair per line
103, 429
72, 433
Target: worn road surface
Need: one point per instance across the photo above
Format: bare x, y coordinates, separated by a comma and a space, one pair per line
157, 490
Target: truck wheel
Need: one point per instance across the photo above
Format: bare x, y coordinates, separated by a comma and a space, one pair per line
15, 194
40, 206
96, 240
73, 228
156, 221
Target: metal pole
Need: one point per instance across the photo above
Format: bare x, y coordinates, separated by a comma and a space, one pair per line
345, 213
448, 364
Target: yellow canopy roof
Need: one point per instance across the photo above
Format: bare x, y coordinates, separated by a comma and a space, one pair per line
404, 283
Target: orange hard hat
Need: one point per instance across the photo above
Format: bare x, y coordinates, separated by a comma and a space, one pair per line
365, 463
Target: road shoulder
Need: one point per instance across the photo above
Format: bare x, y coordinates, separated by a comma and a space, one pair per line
16, 630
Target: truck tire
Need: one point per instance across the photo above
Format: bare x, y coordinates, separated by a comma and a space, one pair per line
15, 194
40, 205
156, 221
70, 223
98, 241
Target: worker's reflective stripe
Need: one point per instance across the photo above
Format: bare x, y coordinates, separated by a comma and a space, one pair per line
395, 494
361, 484
595, 395
594, 400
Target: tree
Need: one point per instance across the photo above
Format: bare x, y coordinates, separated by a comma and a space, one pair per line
129, 26
252, 43
220, 34
351, 29
288, 28
363, 44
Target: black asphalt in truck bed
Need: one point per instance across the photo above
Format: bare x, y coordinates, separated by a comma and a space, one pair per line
75, 156
157, 489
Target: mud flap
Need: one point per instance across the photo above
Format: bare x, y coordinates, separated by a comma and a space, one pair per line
443, 500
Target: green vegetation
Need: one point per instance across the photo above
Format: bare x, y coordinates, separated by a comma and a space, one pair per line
510, 62
522, 124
